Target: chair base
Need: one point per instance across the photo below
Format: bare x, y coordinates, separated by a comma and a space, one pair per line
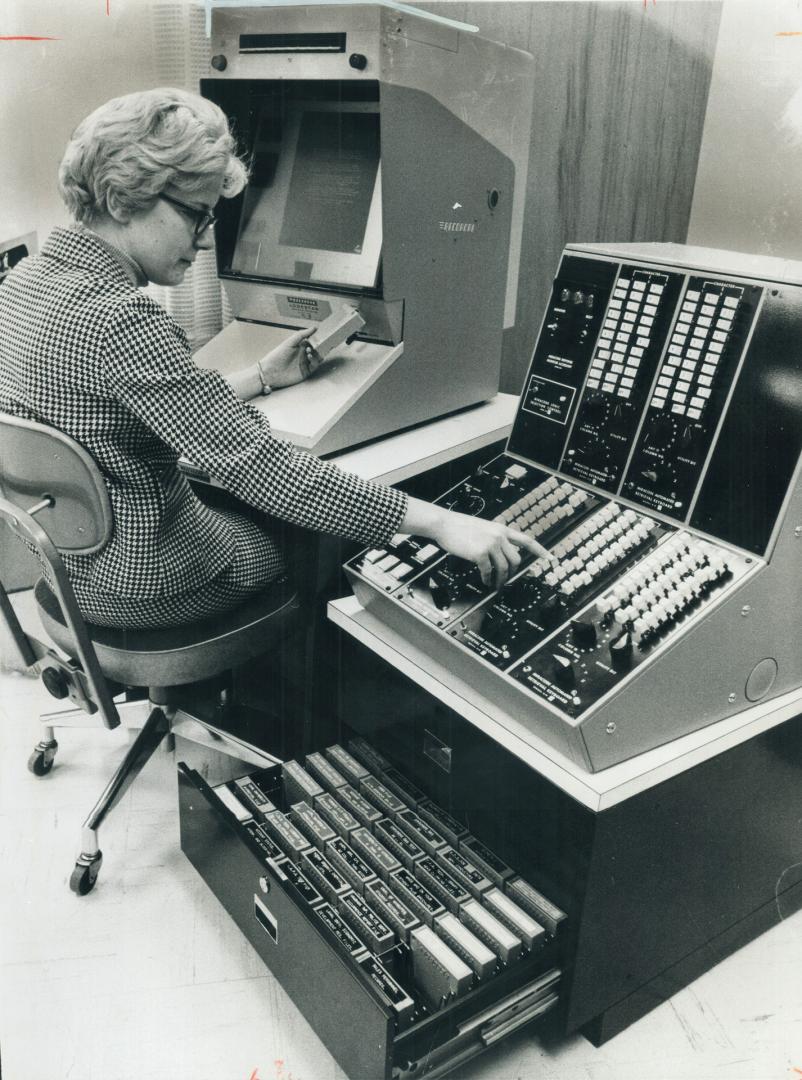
156, 725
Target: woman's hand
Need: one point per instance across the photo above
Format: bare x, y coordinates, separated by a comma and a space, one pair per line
290, 362
495, 548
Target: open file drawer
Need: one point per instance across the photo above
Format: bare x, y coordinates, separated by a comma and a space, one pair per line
336, 986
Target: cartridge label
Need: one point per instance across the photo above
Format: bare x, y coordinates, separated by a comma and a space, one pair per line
374, 931
336, 815
392, 993
417, 895
270, 849
358, 806
312, 824
325, 772
399, 916
323, 873
298, 784
441, 884
381, 796
536, 903
486, 859
342, 855
420, 831
302, 884
465, 871
398, 842
285, 834
346, 937
374, 852
346, 763
252, 794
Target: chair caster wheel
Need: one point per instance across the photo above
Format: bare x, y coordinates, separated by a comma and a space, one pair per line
84, 876
41, 760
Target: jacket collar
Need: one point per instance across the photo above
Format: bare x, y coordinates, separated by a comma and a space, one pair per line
81, 247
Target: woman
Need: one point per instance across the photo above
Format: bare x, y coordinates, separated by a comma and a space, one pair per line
83, 349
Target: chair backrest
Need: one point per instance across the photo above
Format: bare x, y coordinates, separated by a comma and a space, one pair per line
37, 461
52, 496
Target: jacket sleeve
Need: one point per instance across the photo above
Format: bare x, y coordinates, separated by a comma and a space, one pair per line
149, 368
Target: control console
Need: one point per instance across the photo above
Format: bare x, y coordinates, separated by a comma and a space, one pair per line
655, 452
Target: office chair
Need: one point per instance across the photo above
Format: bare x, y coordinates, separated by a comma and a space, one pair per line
53, 495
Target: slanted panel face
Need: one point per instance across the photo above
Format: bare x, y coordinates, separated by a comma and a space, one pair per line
35, 461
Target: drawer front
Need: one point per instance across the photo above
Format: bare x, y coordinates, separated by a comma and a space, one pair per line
341, 1011
306, 939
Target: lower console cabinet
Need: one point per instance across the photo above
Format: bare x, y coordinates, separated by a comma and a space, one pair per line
656, 889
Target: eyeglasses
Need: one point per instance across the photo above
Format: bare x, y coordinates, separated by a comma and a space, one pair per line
203, 219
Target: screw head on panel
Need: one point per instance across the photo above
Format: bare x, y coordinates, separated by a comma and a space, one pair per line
610, 729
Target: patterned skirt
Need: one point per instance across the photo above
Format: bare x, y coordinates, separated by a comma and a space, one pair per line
258, 562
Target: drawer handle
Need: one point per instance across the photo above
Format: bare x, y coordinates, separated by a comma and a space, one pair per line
265, 919
437, 751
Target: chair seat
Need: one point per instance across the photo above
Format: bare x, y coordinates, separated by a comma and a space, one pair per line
173, 656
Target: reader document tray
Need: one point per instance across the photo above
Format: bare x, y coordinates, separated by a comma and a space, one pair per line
311, 414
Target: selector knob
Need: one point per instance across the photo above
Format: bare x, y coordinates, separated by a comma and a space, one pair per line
594, 408
563, 673
584, 634
441, 594
661, 432
551, 611
621, 652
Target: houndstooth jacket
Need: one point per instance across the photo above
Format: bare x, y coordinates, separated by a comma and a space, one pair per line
82, 349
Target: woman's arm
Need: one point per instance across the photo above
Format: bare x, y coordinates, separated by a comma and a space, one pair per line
495, 548
149, 368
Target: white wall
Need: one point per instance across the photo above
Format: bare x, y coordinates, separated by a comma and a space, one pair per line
748, 194
47, 87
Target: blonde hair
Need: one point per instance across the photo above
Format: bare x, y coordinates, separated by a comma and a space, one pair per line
125, 153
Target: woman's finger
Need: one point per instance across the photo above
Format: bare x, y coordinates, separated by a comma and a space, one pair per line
511, 553
485, 569
531, 545
501, 568
299, 335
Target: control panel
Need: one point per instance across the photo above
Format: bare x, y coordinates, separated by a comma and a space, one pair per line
571, 628
656, 454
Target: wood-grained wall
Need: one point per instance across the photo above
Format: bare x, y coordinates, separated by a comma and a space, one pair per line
620, 97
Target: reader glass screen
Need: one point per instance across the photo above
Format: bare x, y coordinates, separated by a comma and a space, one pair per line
312, 210
332, 181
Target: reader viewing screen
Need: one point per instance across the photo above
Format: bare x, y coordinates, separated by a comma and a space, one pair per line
332, 181
312, 210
